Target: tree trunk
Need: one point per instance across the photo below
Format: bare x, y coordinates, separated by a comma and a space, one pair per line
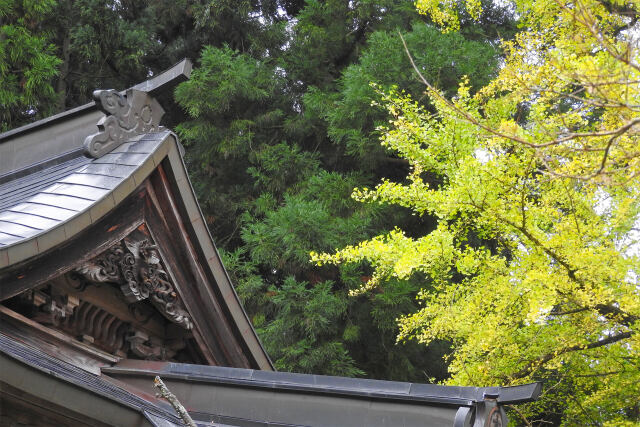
61, 87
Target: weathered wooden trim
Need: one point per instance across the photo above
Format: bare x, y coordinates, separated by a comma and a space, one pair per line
54, 343
210, 321
136, 266
175, 182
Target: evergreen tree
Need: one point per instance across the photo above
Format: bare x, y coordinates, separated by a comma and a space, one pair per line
28, 62
279, 127
276, 143
56, 52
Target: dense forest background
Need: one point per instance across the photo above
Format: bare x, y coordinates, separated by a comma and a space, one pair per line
279, 124
495, 163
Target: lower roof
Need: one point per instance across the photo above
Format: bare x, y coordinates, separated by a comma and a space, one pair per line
216, 396
324, 384
246, 397
76, 391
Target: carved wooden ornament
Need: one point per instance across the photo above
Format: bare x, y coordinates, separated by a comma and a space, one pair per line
127, 115
136, 266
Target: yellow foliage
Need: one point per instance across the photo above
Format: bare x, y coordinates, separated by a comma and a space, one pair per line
532, 272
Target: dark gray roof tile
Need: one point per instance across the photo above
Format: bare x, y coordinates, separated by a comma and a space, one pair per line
107, 169
62, 201
27, 219
98, 181
18, 229
143, 146
41, 171
77, 190
7, 239
93, 386
14, 191
45, 211
121, 159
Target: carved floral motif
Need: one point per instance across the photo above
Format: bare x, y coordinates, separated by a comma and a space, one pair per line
135, 265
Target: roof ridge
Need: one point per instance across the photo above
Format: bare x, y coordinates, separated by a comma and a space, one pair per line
161, 83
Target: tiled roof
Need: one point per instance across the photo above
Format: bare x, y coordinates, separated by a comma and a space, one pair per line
247, 397
50, 202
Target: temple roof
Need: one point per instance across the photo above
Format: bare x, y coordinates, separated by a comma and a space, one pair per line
60, 176
50, 202
219, 396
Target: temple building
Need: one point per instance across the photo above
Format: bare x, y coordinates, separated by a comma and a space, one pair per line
109, 277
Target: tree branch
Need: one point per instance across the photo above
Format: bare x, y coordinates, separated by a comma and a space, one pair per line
614, 313
520, 414
610, 311
166, 394
547, 357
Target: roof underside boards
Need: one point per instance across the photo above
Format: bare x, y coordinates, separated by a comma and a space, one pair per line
53, 201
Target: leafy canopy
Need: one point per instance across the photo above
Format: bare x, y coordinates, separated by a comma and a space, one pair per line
27, 63
277, 139
532, 270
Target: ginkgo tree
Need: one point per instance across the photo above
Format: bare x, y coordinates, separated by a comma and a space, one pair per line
532, 272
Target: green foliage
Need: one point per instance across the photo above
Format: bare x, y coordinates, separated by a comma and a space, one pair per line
267, 142
236, 110
302, 336
443, 59
102, 45
281, 166
55, 53
27, 62
532, 269
306, 220
238, 89
329, 34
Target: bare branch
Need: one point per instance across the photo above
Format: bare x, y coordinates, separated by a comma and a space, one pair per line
166, 394
547, 357
520, 414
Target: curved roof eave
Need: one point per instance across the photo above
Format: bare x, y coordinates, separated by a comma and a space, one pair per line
205, 242
48, 207
109, 180
52, 188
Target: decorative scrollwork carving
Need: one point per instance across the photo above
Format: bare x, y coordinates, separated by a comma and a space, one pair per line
126, 116
136, 266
